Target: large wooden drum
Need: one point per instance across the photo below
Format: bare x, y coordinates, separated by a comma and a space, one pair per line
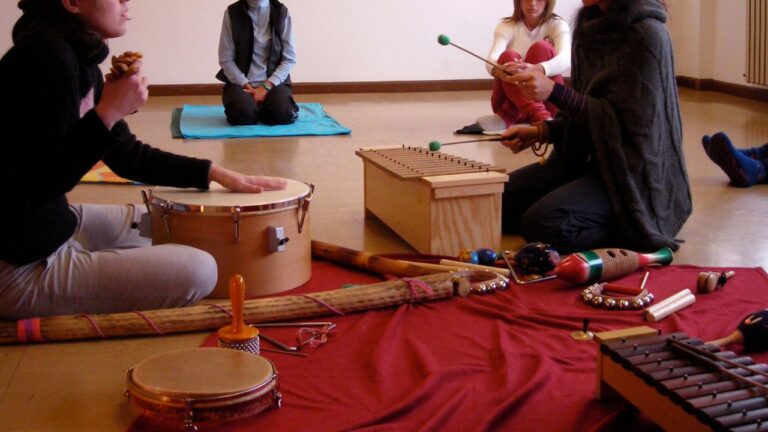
264, 237
197, 385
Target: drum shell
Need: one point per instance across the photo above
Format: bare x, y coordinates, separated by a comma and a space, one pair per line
205, 412
264, 272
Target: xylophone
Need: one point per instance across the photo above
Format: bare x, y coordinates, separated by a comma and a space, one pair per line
414, 162
436, 202
682, 383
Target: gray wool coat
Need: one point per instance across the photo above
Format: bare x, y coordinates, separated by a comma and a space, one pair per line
625, 67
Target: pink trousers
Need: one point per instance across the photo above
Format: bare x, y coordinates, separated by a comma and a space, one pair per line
509, 102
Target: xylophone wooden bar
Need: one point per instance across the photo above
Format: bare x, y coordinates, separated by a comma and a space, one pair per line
685, 384
414, 162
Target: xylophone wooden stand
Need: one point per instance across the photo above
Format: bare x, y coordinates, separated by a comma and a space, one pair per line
683, 384
615, 381
438, 203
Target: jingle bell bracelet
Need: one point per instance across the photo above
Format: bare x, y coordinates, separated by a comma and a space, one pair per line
478, 282
594, 295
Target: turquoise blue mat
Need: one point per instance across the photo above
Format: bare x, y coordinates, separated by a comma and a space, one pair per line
208, 121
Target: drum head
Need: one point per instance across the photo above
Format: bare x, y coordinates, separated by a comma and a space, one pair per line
221, 200
200, 373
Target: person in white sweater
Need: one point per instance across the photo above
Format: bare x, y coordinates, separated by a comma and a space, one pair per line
533, 38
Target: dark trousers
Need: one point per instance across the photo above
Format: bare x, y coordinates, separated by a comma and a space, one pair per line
278, 108
570, 211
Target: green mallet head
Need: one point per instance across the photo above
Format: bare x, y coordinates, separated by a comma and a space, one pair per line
443, 40
434, 146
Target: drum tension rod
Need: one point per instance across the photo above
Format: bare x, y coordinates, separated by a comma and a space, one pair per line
165, 206
145, 198
305, 202
236, 219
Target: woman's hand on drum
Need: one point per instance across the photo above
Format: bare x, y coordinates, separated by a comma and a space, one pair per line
237, 182
122, 97
520, 137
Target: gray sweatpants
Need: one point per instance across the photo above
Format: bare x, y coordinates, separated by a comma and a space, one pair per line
106, 267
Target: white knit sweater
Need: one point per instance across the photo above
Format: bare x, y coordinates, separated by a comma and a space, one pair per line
516, 36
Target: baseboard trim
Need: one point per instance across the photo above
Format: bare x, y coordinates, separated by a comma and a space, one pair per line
749, 92
740, 90
337, 87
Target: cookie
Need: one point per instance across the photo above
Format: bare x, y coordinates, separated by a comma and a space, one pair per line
123, 65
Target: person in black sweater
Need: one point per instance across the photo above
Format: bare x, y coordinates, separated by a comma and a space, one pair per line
59, 118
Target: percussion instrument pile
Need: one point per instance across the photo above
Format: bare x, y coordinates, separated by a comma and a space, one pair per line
272, 309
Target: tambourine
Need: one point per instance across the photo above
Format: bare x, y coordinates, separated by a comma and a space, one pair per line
203, 384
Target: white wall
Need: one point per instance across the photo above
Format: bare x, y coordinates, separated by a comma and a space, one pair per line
394, 40
684, 29
710, 38
337, 40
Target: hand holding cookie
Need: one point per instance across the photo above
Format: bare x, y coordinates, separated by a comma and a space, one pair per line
124, 65
125, 90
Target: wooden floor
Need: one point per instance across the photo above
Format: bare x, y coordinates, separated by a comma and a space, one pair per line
79, 386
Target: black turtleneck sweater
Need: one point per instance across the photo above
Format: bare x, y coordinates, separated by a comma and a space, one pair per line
46, 146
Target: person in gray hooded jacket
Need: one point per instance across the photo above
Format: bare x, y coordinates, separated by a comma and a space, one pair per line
616, 176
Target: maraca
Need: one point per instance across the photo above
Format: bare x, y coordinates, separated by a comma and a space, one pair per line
752, 332
600, 265
482, 256
537, 258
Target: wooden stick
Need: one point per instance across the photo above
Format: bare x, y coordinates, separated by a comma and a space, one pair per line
474, 140
444, 268
669, 300
711, 359
662, 310
621, 289
366, 261
496, 65
205, 317
735, 337
497, 270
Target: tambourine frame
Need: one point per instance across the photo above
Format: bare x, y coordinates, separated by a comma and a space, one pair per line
180, 400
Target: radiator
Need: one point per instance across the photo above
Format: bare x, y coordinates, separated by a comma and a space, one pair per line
757, 46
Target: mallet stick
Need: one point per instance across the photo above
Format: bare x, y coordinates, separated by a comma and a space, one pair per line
445, 40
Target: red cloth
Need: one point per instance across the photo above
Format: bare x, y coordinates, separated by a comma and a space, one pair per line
483, 363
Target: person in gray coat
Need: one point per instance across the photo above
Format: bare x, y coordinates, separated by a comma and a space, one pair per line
616, 175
